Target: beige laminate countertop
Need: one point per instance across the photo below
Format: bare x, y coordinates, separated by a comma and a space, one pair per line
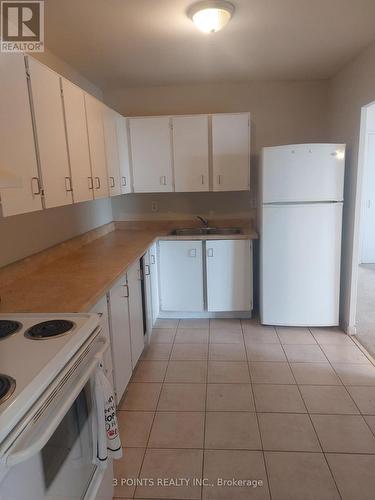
76, 281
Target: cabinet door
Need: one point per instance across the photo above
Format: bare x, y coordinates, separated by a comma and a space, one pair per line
51, 137
124, 153
154, 282
17, 146
151, 154
147, 291
229, 275
231, 152
190, 153
120, 331
78, 144
135, 312
112, 151
181, 275
94, 114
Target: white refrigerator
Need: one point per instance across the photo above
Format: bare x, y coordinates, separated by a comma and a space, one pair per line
301, 191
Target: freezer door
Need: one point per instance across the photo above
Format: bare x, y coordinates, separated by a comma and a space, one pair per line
303, 172
300, 264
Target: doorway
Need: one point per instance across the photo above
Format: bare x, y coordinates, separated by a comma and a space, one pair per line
365, 310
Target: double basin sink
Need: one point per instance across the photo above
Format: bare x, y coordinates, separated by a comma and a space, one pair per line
206, 231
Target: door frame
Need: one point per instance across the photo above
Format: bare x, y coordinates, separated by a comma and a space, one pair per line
358, 219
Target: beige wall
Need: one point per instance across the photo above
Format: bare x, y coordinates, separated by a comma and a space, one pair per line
23, 235
281, 113
352, 88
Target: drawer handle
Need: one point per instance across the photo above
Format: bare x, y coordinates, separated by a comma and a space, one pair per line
68, 184
124, 183
97, 180
147, 270
210, 252
91, 183
112, 182
152, 259
126, 291
36, 182
192, 252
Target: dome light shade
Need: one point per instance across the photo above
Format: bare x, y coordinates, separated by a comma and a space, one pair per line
211, 16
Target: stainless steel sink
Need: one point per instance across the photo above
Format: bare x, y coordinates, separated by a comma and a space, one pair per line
204, 231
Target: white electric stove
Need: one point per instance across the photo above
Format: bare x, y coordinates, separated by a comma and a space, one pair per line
47, 367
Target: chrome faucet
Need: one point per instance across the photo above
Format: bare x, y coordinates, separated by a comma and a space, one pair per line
203, 220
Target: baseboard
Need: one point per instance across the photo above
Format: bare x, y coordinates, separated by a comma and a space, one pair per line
205, 314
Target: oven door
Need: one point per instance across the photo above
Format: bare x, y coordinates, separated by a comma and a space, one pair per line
53, 457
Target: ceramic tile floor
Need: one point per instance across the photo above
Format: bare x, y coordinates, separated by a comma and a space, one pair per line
293, 408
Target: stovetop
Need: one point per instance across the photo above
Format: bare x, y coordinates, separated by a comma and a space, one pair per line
34, 348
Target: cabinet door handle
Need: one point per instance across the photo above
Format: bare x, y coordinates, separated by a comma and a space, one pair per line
35, 182
68, 184
163, 180
91, 183
147, 270
210, 252
97, 180
202, 180
192, 252
152, 257
219, 179
124, 180
126, 291
112, 182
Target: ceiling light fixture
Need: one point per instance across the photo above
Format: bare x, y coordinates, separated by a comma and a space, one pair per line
211, 16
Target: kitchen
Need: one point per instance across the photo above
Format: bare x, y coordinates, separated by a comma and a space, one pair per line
139, 228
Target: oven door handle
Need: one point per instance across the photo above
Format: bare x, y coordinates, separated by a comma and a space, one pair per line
38, 433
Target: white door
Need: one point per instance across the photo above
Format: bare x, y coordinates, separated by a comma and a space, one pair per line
229, 275
78, 143
94, 114
303, 172
120, 332
300, 264
190, 153
151, 152
124, 153
135, 312
51, 136
154, 282
112, 151
17, 146
231, 152
181, 276
368, 221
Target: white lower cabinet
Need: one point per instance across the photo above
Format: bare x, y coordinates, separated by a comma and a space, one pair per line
135, 312
154, 271
181, 276
212, 276
229, 275
120, 330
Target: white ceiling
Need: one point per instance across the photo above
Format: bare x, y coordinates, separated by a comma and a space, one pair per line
117, 43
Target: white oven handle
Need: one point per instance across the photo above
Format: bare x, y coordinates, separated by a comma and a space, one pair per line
38, 433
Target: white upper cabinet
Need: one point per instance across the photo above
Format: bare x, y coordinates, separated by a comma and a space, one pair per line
17, 146
190, 152
78, 144
94, 114
124, 153
151, 154
51, 137
231, 151
112, 151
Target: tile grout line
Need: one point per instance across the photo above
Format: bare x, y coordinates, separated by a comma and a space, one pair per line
346, 389
257, 417
156, 407
308, 413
